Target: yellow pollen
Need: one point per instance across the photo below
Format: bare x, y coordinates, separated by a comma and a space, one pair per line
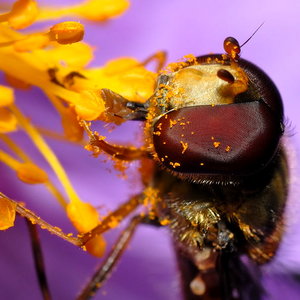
184, 146
175, 164
216, 144
172, 123
159, 126
164, 222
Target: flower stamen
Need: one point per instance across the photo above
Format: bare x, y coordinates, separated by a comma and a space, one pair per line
22, 14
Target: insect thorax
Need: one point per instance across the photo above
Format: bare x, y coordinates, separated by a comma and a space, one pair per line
245, 218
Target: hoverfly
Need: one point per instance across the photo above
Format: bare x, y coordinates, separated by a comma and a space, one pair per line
216, 172
219, 177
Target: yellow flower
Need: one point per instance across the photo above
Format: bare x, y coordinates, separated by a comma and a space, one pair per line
94, 10
22, 14
56, 61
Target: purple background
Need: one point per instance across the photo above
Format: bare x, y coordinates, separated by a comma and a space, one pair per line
147, 270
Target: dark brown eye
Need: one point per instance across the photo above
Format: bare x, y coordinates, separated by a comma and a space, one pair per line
237, 139
261, 88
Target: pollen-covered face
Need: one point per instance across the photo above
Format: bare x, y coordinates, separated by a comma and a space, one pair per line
217, 116
203, 84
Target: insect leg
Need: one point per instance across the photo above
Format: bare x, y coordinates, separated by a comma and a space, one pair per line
242, 278
109, 222
104, 270
34, 219
38, 260
97, 144
113, 219
160, 57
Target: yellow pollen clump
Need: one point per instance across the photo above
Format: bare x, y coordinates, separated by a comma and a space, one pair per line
174, 164
114, 222
190, 58
159, 126
164, 222
202, 164
151, 198
217, 144
172, 123
184, 146
228, 148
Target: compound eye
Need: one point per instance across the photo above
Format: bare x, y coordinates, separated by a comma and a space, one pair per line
236, 139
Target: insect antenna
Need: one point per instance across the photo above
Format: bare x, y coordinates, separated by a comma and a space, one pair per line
252, 34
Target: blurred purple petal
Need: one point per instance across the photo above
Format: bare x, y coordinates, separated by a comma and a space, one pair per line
148, 270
